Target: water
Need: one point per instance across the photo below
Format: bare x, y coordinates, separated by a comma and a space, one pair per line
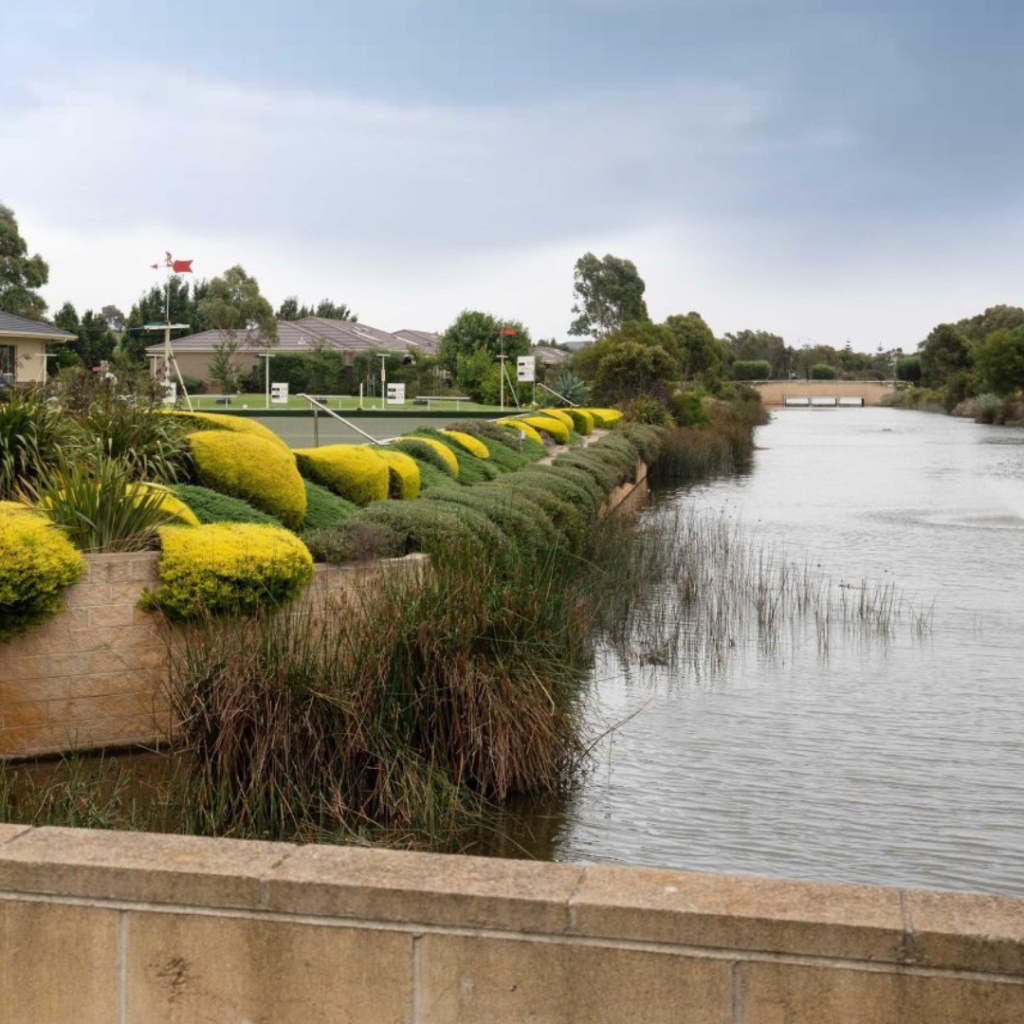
897, 762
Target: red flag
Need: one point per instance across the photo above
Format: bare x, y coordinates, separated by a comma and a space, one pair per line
181, 266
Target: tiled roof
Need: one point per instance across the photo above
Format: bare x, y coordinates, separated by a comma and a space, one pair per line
550, 356
11, 324
425, 341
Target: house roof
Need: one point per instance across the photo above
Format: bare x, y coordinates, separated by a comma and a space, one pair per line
19, 327
549, 356
425, 341
299, 336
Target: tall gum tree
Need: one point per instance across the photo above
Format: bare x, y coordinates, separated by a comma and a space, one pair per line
20, 274
608, 292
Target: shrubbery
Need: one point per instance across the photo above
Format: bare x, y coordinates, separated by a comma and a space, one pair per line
468, 443
229, 568
429, 449
224, 421
37, 563
213, 507
554, 428
404, 474
324, 508
354, 471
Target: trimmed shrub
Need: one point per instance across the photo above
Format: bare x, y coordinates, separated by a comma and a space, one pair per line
556, 429
212, 507
486, 430
582, 420
606, 419
356, 541
228, 568
404, 474
751, 369
247, 466
519, 425
567, 518
225, 421
438, 529
430, 449
324, 508
354, 471
606, 472
520, 520
468, 443
644, 437
37, 563
566, 484
472, 470
169, 503
562, 415
431, 478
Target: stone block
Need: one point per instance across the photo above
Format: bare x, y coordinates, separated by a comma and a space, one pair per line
59, 963
966, 931
87, 595
31, 688
186, 969
111, 614
779, 993
418, 888
465, 979
742, 913
17, 668
30, 713
219, 873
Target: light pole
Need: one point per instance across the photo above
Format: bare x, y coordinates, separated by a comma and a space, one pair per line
267, 356
383, 379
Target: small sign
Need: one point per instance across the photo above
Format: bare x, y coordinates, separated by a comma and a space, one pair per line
526, 368
279, 394
396, 394
170, 392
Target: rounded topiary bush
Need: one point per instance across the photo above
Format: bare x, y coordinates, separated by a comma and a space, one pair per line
582, 421
354, 471
562, 415
170, 503
37, 563
468, 443
555, 429
252, 468
229, 568
431, 450
607, 419
238, 424
404, 473
521, 425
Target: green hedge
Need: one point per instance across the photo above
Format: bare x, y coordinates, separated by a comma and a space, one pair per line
228, 568
247, 466
428, 449
554, 428
324, 508
37, 563
212, 507
404, 474
354, 471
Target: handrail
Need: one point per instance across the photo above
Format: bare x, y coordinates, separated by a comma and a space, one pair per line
568, 401
330, 412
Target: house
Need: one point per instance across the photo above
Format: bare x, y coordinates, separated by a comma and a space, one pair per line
23, 348
295, 337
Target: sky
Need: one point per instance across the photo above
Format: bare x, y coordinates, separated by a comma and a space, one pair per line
829, 170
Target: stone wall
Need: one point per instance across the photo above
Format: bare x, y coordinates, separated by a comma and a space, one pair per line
774, 393
127, 927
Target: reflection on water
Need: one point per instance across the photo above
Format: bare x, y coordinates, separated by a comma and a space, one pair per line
898, 762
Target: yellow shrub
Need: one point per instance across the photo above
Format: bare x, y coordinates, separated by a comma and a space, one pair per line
244, 465
36, 563
170, 504
582, 420
512, 424
354, 471
605, 418
239, 424
562, 415
404, 473
468, 442
442, 449
232, 568
558, 430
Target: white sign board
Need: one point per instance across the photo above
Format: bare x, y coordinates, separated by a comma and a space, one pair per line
279, 394
396, 394
526, 368
170, 392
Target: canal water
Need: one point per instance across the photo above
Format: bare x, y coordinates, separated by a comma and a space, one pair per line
892, 760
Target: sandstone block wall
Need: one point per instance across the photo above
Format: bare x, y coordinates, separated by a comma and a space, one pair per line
107, 927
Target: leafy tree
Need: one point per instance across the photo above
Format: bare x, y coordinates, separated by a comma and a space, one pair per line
753, 345
822, 371
999, 361
20, 274
608, 292
151, 309
640, 332
909, 369
291, 310
995, 318
473, 330
702, 355
223, 368
629, 369
233, 305
943, 353
751, 369
326, 309
114, 317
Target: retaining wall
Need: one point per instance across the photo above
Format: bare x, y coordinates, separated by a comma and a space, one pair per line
127, 927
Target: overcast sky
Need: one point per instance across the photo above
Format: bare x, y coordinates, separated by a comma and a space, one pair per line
829, 170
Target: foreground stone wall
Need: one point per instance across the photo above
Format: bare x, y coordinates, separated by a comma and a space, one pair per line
106, 927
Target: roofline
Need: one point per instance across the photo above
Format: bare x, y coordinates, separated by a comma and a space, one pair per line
38, 335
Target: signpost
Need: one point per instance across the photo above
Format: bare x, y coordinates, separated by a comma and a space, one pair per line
279, 394
396, 394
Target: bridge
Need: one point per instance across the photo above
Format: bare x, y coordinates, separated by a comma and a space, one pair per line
823, 393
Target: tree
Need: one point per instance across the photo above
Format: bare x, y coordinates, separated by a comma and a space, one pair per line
641, 332
325, 309
223, 369
608, 292
995, 318
20, 274
630, 369
114, 317
752, 345
999, 360
151, 309
701, 353
328, 310
473, 330
233, 305
943, 353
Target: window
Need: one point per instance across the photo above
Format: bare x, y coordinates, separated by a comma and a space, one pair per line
8, 359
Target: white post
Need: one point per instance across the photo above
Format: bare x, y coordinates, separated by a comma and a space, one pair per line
266, 355
383, 381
